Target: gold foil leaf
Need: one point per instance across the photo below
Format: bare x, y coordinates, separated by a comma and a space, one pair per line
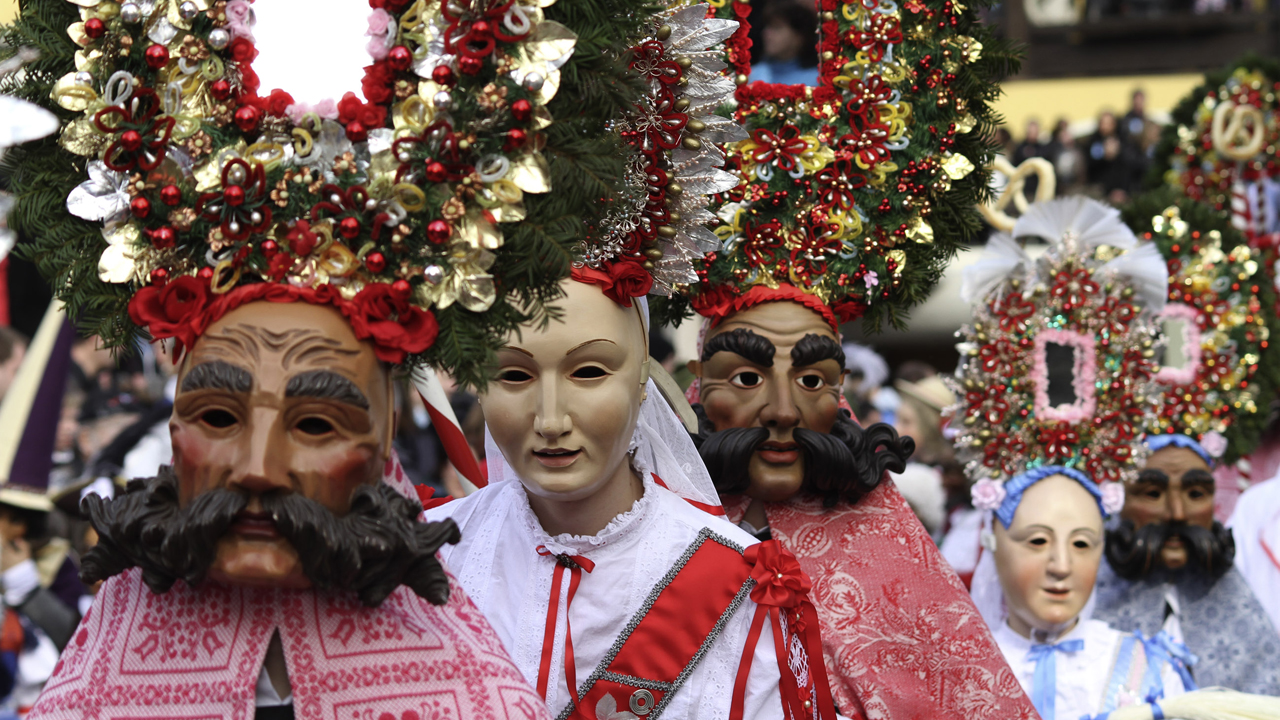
966, 124
899, 257
477, 232
531, 174
541, 118
116, 264
956, 166
920, 231
82, 138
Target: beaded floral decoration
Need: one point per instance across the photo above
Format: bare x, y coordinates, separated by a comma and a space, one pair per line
1058, 364
403, 204
1217, 319
860, 190
660, 223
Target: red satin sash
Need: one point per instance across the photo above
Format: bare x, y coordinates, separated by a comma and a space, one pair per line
682, 614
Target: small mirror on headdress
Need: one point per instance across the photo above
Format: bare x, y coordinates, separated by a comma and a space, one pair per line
1174, 353
1060, 361
313, 55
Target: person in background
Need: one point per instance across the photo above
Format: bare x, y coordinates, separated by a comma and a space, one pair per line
1068, 161
925, 481
1032, 146
13, 346
1255, 526
790, 45
1113, 160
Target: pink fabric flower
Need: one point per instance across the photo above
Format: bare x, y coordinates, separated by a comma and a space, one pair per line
1213, 443
987, 494
379, 21
327, 109
240, 19
1112, 497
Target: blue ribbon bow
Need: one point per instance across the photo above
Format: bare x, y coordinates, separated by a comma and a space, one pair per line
1044, 682
1161, 649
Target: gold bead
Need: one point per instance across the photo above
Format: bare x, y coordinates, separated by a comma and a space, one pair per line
828, 56
675, 189
653, 253
692, 143
682, 104
664, 32
828, 16
667, 231
695, 125
740, 79
684, 61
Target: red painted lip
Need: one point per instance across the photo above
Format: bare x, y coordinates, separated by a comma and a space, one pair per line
1058, 592
556, 457
255, 525
779, 453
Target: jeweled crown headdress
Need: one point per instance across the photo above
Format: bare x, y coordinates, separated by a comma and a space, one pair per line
1057, 367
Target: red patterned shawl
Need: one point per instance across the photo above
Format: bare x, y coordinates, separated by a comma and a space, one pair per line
195, 654
900, 636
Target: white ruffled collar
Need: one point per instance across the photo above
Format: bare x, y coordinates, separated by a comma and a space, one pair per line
621, 527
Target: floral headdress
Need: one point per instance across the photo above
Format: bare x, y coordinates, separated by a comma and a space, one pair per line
1218, 368
856, 193
651, 237
437, 213
1057, 368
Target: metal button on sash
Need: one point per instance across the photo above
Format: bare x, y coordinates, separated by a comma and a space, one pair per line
641, 702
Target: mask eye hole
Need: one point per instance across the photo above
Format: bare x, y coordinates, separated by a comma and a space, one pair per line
811, 381
514, 376
747, 379
218, 419
314, 426
589, 372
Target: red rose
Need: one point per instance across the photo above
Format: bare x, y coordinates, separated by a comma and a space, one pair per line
277, 102
249, 79
630, 280
300, 238
779, 580
242, 51
280, 265
174, 310
373, 116
715, 302
378, 80
849, 309
394, 325
349, 108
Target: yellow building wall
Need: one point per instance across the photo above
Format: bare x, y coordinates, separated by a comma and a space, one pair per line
1079, 99
8, 10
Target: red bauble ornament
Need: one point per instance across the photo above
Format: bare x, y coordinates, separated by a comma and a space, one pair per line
221, 89
141, 207
522, 110
376, 262
481, 27
131, 140
170, 195
157, 56
469, 65
159, 276
247, 117
443, 75
234, 195
269, 248
438, 231
399, 57
401, 288
206, 273
515, 139
163, 237
349, 227
356, 131
436, 172
94, 28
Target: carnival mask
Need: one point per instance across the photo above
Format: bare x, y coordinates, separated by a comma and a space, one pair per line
1167, 519
1048, 557
566, 398
280, 432
770, 389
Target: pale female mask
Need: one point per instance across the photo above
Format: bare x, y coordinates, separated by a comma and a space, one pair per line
1047, 559
563, 408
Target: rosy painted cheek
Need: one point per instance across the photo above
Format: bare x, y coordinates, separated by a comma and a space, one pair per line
820, 415
725, 411
195, 460
331, 477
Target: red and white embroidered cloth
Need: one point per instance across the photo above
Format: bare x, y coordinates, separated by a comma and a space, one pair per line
900, 636
195, 654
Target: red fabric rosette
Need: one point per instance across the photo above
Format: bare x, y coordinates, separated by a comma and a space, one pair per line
620, 281
173, 310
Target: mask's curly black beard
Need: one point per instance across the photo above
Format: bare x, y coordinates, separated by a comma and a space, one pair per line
1134, 553
377, 546
841, 466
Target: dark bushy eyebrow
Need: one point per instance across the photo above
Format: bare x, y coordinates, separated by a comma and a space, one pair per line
753, 347
326, 385
1199, 477
813, 349
218, 375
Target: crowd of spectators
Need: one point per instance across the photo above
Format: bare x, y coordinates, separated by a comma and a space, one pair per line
1109, 160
